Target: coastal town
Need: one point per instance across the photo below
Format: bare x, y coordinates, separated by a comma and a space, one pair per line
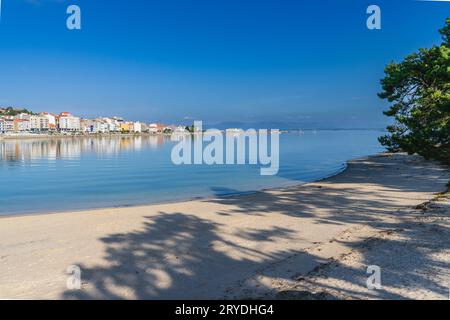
15, 122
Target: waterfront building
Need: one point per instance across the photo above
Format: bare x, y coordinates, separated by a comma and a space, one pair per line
8, 125
39, 123
87, 125
127, 127
152, 128
100, 126
66, 122
21, 125
52, 120
69, 123
156, 127
137, 127
112, 124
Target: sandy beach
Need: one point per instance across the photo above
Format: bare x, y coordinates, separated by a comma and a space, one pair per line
304, 242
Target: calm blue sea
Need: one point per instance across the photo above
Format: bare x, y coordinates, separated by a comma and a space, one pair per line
81, 173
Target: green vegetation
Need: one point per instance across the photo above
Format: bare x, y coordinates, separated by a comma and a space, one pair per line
419, 88
10, 111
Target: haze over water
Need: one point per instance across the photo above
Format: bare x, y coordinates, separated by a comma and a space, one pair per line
50, 175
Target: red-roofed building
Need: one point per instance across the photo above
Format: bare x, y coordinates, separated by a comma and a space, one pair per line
21, 125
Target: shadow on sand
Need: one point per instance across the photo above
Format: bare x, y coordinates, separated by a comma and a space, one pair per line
177, 255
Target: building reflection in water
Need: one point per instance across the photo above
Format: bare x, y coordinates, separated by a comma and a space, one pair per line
12, 150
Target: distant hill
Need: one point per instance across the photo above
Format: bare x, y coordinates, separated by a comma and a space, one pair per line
11, 111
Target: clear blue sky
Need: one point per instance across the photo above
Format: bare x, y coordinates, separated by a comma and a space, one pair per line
308, 62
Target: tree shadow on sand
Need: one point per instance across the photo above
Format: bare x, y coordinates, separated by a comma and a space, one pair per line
411, 264
176, 255
395, 176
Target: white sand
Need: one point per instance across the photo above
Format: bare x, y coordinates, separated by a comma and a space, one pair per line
414, 261
242, 246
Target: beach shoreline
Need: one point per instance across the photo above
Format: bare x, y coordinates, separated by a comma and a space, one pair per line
176, 250
183, 200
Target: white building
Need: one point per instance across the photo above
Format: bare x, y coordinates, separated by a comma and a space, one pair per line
153, 128
39, 123
67, 122
87, 125
8, 125
137, 127
22, 125
111, 125
119, 123
100, 126
51, 118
